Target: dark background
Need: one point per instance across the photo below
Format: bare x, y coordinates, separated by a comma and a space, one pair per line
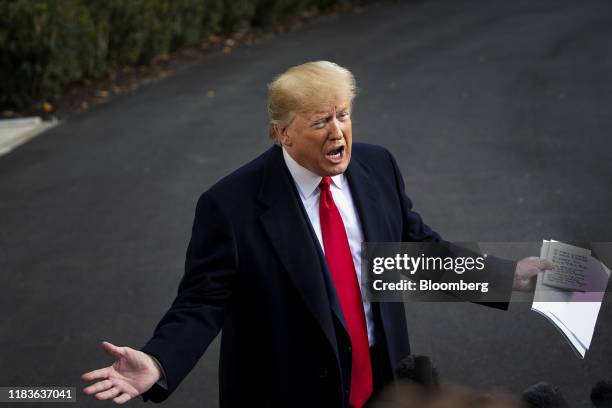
498, 113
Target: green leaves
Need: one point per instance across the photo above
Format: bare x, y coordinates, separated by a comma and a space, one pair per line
46, 45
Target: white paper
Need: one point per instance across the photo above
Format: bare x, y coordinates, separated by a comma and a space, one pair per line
573, 313
570, 268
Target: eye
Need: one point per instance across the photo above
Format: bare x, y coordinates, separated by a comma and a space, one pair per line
319, 124
343, 115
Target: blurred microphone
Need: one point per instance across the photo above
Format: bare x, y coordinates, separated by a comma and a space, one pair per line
544, 395
419, 370
601, 395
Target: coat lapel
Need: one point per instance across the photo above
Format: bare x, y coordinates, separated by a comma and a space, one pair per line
288, 232
364, 192
367, 198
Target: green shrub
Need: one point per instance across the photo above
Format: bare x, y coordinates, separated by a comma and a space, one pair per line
48, 44
43, 47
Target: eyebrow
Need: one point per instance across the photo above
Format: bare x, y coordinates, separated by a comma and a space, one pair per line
324, 114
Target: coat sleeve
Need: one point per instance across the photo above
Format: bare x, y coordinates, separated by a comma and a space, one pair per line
201, 305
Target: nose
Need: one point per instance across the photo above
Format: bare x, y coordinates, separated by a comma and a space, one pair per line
335, 132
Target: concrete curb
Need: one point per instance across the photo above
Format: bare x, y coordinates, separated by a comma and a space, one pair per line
14, 132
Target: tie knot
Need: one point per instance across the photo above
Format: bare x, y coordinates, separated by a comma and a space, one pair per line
325, 182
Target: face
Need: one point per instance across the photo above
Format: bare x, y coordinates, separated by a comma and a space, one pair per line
320, 140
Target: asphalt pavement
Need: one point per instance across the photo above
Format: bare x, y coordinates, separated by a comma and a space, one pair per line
498, 112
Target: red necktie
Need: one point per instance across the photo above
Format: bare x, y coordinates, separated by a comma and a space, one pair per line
342, 268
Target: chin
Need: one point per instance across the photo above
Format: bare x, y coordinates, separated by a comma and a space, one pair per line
335, 170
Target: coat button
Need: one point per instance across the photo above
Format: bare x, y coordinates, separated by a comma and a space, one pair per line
348, 350
323, 372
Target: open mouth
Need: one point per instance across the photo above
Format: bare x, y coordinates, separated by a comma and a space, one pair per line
336, 155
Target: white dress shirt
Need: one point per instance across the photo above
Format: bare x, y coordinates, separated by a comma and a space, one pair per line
307, 184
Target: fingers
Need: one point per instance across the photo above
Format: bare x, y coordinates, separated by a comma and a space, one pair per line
123, 398
113, 350
104, 372
96, 374
98, 387
112, 393
545, 264
119, 391
538, 263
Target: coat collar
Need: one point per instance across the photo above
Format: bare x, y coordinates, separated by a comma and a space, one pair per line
307, 181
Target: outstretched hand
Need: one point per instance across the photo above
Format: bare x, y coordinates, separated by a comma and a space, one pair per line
527, 270
133, 373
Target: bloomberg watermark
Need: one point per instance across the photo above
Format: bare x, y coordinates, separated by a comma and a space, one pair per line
463, 271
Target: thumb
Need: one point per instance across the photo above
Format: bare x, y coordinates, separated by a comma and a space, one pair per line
113, 350
545, 264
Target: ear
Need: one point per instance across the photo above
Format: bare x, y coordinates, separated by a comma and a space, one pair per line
282, 135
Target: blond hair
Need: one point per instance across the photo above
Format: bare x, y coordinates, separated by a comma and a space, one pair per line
305, 88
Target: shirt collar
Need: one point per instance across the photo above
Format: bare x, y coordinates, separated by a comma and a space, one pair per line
307, 181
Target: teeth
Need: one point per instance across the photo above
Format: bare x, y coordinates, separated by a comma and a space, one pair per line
336, 152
